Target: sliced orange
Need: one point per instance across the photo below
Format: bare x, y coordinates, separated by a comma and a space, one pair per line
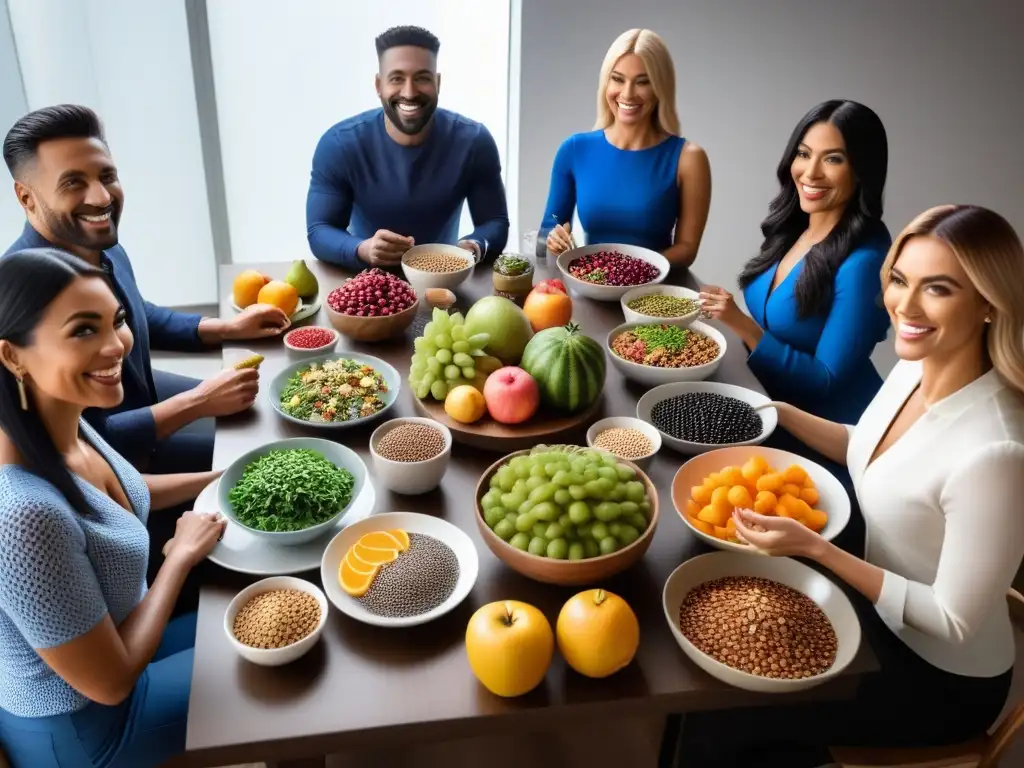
354, 582
381, 540
373, 556
402, 537
358, 565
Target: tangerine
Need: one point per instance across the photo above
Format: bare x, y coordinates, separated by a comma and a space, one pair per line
279, 294
247, 286
382, 540
372, 555
355, 582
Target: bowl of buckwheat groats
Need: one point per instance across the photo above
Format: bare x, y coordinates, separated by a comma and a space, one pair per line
410, 455
669, 304
276, 621
766, 624
607, 271
625, 437
654, 353
435, 265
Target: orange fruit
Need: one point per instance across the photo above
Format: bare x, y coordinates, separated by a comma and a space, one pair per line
355, 582
372, 555
402, 537
810, 495
739, 496
465, 404
770, 481
795, 474
597, 633
358, 565
279, 294
247, 286
815, 520
715, 515
692, 508
547, 310
382, 540
765, 503
701, 526
701, 494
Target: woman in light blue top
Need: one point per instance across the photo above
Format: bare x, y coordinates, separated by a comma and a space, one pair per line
91, 671
633, 179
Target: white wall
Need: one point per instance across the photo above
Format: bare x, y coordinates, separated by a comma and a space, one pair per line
12, 106
945, 77
130, 61
282, 79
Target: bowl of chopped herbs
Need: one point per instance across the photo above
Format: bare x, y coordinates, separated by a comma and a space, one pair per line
659, 353
292, 491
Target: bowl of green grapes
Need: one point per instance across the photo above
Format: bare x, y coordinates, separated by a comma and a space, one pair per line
566, 514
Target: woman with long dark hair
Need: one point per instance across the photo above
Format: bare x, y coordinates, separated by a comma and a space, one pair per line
813, 290
92, 670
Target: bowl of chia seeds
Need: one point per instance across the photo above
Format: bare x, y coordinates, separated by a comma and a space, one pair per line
428, 572
697, 416
669, 304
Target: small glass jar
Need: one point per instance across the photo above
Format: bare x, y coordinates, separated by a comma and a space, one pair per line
512, 276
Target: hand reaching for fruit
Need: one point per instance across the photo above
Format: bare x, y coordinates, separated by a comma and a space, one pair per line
384, 249
258, 321
777, 536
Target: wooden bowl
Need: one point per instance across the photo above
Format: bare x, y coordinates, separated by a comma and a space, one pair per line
372, 328
565, 573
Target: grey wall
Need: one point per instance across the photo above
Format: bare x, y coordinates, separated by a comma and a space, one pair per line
946, 77
12, 106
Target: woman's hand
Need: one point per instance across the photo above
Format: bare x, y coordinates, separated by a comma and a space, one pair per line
560, 239
778, 536
718, 303
195, 536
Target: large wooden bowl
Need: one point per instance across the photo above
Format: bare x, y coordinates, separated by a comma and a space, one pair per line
565, 573
372, 328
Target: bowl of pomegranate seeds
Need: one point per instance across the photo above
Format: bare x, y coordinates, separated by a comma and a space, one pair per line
606, 271
310, 340
372, 306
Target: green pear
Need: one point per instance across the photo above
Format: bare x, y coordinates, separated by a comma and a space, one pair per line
302, 280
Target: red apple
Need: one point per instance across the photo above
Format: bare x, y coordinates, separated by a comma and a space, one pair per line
511, 395
550, 286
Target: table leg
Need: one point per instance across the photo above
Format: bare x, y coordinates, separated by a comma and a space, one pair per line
309, 762
670, 741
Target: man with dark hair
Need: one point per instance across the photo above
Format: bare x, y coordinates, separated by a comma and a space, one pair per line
66, 180
392, 177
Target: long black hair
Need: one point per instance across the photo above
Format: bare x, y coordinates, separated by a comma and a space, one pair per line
868, 151
29, 282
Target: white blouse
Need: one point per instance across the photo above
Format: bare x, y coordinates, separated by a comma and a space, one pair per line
944, 510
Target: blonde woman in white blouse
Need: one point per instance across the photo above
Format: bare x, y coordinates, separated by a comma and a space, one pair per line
937, 462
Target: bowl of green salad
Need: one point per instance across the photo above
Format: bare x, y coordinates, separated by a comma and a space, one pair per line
291, 491
339, 390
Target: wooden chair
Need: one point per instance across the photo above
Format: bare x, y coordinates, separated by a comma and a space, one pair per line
983, 752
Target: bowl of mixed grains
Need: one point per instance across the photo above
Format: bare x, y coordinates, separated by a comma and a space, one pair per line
410, 455
669, 304
765, 624
436, 265
658, 353
626, 437
276, 621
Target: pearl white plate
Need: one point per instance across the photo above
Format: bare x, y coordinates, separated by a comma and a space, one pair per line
307, 308
244, 552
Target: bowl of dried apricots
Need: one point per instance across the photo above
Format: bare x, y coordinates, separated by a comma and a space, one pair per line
708, 487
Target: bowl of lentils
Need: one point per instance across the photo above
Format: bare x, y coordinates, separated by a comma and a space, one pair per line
276, 621
625, 437
699, 416
659, 353
606, 272
435, 265
410, 455
667, 304
372, 306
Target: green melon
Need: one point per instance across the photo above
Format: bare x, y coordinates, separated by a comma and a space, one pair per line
569, 367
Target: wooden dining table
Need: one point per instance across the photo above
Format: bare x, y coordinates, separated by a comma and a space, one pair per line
363, 686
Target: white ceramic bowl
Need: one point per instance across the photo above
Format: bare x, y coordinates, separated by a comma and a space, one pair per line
274, 657
421, 280
410, 522
833, 499
652, 375
769, 416
336, 453
300, 353
410, 477
627, 422
829, 597
391, 377
609, 292
678, 291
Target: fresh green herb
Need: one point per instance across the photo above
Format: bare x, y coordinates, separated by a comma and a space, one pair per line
668, 337
290, 490
511, 266
595, 276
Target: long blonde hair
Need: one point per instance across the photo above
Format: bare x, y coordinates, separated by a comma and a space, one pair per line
662, 72
991, 254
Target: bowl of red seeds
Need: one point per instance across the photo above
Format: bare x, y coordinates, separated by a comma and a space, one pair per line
310, 340
607, 271
372, 306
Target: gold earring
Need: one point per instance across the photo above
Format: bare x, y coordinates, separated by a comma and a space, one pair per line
22, 394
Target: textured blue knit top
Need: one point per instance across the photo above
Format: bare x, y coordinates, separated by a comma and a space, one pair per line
622, 196
60, 572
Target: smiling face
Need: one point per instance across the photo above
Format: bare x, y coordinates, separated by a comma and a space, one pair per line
72, 194
821, 170
934, 307
77, 348
408, 84
629, 92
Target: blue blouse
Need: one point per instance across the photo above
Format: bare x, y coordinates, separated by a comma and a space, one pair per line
822, 364
622, 196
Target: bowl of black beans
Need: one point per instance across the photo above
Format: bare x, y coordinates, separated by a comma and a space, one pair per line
698, 416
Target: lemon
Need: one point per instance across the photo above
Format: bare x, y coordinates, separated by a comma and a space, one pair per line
465, 404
